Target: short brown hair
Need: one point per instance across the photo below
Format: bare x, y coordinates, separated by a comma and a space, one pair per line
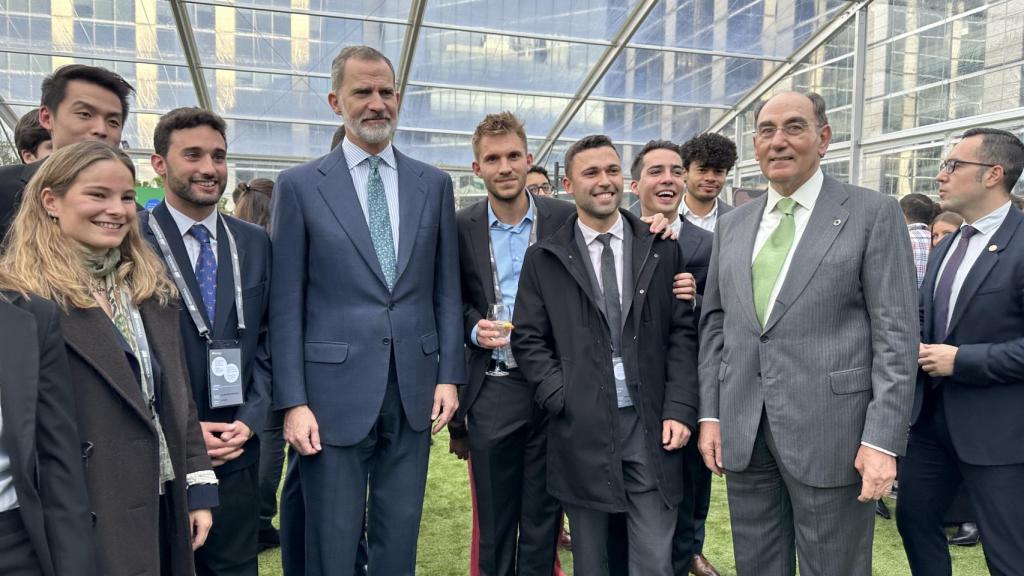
183, 119
498, 124
583, 144
29, 134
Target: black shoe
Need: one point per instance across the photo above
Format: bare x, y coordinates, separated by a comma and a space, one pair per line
882, 510
269, 538
966, 535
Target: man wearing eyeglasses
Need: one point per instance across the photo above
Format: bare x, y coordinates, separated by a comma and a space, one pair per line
807, 355
966, 428
538, 183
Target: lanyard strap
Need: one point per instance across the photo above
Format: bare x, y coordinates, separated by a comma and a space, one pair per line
494, 265
145, 360
179, 280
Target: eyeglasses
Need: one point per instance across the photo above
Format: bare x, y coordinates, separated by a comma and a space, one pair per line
949, 166
539, 189
793, 129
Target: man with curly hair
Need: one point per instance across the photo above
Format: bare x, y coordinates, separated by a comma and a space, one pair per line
707, 159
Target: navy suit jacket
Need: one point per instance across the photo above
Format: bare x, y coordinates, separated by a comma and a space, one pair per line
984, 396
334, 321
254, 259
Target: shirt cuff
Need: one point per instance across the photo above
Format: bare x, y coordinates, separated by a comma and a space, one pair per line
882, 450
699, 420
472, 337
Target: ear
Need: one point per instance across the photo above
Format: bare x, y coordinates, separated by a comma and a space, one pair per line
476, 168
159, 165
633, 186
334, 102
529, 160
826, 138
50, 201
994, 177
46, 118
567, 185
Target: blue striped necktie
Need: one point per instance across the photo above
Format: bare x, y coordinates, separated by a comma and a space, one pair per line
206, 270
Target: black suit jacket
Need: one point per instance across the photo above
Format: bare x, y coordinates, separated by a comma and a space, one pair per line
984, 396
696, 244
254, 257
13, 179
478, 284
40, 436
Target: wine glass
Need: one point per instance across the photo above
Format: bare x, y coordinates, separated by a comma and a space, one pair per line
501, 315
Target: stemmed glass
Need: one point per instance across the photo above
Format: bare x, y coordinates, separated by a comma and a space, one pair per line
501, 316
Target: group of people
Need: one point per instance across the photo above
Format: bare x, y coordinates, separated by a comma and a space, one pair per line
586, 360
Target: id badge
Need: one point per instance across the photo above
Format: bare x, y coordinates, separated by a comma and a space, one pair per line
621, 389
225, 374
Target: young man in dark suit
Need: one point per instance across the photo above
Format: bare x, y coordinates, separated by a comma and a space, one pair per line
222, 268
966, 427
707, 160
78, 103
659, 180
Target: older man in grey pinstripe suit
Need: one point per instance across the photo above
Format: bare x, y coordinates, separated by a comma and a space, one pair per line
807, 356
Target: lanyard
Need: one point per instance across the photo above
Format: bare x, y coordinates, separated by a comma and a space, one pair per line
179, 280
494, 265
145, 360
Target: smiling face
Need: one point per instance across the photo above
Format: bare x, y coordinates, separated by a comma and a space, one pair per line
368, 103
596, 185
660, 186
703, 182
195, 170
87, 112
502, 165
98, 208
788, 142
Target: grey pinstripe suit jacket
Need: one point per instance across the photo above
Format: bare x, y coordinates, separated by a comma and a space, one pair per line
835, 363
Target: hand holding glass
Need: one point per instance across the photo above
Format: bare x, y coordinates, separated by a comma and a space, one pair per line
501, 317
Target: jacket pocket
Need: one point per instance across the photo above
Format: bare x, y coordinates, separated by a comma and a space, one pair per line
326, 352
429, 343
723, 369
850, 381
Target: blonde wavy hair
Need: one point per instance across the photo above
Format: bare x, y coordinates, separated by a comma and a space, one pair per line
40, 259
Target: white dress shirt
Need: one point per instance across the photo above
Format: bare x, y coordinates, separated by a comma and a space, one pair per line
706, 222
8, 498
359, 167
191, 244
596, 248
805, 196
986, 227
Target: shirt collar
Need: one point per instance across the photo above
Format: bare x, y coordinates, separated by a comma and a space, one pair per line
493, 222
686, 209
917, 226
987, 224
678, 224
355, 155
806, 195
590, 235
185, 223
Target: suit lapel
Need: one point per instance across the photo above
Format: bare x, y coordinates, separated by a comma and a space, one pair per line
984, 264
19, 381
177, 244
412, 194
339, 193
225, 282
480, 241
91, 335
927, 292
826, 221
744, 233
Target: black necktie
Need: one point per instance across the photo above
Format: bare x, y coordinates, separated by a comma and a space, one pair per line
610, 286
944, 289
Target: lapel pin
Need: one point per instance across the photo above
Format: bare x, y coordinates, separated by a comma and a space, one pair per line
992, 247
837, 222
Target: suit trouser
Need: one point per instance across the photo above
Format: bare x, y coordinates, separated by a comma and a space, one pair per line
776, 517
650, 523
232, 546
508, 447
931, 474
392, 461
17, 555
693, 510
271, 463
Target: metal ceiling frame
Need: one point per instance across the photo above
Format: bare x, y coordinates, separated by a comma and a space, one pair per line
7, 114
412, 34
629, 28
819, 38
188, 44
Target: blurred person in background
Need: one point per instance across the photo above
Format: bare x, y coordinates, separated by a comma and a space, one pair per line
32, 140
945, 223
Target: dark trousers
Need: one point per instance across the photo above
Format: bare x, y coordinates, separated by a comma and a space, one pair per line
693, 510
392, 462
931, 474
231, 549
17, 555
271, 463
508, 445
650, 523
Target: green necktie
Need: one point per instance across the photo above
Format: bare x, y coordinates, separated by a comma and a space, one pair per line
772, 256
380, 222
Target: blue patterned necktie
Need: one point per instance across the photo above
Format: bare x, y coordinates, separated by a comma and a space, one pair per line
380, 222
206, 270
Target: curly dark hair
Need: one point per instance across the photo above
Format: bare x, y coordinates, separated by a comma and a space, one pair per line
710, 150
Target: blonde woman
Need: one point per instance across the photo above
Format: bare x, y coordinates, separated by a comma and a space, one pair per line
75, 241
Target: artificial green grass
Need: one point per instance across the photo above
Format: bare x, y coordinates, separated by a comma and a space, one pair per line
447, 526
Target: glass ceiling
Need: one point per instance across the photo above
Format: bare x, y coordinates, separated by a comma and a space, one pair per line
265, 64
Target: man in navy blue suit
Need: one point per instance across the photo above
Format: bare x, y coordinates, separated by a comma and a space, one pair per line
226, 320
366, 313
966, 427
